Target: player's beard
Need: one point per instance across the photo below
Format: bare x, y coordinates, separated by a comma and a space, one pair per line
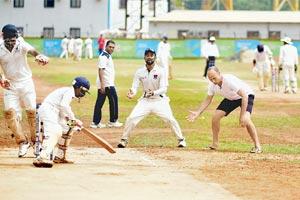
149, 62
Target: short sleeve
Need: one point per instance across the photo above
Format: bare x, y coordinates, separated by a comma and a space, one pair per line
210, 89
102, 62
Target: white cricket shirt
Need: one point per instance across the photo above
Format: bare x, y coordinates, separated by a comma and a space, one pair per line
288, 55
64, 43
106, 63
263, 57
230, 86
154, 80
60, 99
88, 43
14, 64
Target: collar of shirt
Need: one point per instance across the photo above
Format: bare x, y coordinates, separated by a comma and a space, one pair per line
2, 46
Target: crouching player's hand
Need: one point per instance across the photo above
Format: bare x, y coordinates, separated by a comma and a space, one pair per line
78, 125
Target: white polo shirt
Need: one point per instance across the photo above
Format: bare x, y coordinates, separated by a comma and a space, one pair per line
14, 64
60, 99
210, 49
106, 63
288, 55
230, 86
154, 80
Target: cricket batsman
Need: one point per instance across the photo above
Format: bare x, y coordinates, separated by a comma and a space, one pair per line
59, 122
262, 65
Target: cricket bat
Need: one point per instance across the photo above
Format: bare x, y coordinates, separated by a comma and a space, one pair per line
99, 140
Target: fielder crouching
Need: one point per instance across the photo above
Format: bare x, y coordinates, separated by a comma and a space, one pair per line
59, 122
154, 100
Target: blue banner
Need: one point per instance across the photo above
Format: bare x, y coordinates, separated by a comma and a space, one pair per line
245, 44
141, 45
52, 47
297, 45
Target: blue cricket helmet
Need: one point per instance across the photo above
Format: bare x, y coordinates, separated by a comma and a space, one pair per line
81, 82
260, 48
9, 31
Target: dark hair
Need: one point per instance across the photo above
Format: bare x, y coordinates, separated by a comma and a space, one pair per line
108, 42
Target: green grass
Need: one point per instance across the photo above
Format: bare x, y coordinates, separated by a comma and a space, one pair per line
186, 91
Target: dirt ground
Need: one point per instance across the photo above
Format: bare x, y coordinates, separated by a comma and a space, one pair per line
242, 175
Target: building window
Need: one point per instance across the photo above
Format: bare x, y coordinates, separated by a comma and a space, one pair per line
151, 4
18, 3
49, 3
48, 32
252, 34
75, 32
75, 3
274, 34
122, 4
182, 34
213, 33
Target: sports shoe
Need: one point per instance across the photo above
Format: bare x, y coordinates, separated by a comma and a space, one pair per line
116, 124
256, 150
58, 160
43, 163
23, 148
181, 143
93, 125
123, 143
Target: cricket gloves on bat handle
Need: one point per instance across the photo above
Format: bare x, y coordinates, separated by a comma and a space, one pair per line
75, 124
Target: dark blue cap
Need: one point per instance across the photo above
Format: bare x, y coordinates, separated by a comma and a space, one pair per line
149, 50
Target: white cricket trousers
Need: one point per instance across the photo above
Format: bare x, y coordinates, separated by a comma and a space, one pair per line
21, 91
89, 52
64, 53
263, 74
289, 77
159, 107
53, 125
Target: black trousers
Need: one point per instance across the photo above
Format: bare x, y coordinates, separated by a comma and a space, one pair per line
111, 93
209, 63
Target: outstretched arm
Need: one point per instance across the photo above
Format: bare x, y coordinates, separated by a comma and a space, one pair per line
195, 113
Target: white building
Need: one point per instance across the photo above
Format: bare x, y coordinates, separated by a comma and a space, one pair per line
228, 24
56, 18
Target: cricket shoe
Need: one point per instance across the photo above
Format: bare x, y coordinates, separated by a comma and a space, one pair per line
123, 143
256, 150
116, 124
59, 160
181, 143
42, 163
93, 125
23, 148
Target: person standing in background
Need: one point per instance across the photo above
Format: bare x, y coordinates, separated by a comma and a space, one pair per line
288, 61
106, 87
64, 46
210, 52
78, 48
88, 48
71, 47
164, 56
101, 43
262, 65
